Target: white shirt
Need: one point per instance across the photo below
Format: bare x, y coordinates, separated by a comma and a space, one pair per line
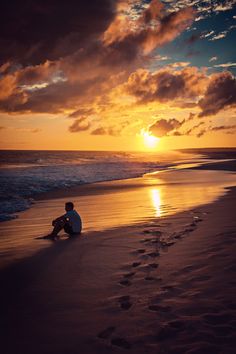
74, 220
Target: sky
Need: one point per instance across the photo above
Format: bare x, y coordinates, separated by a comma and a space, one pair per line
117, 75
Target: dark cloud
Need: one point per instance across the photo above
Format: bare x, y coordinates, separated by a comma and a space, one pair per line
166, 84
79, 125
99, 131
76, 57
34, 31
224, 127
220, 94
218, 91
192, 129
228, 129
54, 98
153, 12
113, 131
162, 127
82, 124
81, 111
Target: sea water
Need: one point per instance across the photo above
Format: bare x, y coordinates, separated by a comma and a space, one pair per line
26, 174
133, 188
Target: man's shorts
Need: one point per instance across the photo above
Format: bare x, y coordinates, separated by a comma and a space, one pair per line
68, 229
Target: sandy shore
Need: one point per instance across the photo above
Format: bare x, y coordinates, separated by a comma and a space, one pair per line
151, 288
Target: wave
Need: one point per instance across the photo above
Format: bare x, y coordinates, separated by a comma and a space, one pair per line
25, 174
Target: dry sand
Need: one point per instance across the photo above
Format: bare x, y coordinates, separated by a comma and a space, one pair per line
152, 288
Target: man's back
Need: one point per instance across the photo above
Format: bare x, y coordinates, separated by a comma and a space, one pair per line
74, 220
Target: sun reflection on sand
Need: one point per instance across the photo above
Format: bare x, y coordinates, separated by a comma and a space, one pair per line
156, 201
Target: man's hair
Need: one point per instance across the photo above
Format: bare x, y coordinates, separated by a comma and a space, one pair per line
70, 205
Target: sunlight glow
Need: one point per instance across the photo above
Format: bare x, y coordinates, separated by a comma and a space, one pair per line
150, 141
156, 201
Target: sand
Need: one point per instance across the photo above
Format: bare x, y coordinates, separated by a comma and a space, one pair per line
166, 287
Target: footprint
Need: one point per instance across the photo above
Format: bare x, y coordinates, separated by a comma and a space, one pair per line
125, 302
150, 278
106, 333
167, 244
153, 254
129, 275
125, 282
136, 264
125, 305
121, 342
146, 240
179, 235
141, 251
124, 298
153, 265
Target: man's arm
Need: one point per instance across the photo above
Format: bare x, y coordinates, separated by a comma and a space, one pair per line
59, 219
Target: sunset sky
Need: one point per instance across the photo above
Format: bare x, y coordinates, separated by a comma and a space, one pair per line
117, 75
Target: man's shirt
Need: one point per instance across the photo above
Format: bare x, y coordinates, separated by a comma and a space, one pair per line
74, 220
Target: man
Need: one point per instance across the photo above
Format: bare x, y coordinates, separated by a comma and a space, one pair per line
70, 222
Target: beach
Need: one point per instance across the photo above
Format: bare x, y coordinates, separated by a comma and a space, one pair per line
165, 284
118, 177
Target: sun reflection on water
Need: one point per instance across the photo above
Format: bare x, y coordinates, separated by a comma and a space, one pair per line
156, 201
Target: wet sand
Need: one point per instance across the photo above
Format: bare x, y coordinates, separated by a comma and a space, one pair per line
165, 286
108, 205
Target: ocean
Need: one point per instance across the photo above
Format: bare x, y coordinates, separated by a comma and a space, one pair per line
109, 190
26, 174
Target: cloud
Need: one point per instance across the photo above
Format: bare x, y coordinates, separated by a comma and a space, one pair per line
153, 29
166, 84
79, 125
192, 129
82, 111
228, 129
220, 94
218, 36
213, 59
179, 64
173, 127
106, 131
162, 127
62, 70
206, 34
223, 127
228, 5
161, 57
225, 65
63, 28
187, 87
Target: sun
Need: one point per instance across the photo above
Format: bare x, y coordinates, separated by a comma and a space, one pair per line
150, 141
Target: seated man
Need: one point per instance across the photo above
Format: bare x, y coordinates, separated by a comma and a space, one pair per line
70, 222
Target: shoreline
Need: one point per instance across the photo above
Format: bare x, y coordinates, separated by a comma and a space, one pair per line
131, 288
121, 203
211, 160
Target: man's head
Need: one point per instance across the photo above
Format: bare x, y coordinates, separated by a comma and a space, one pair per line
69, 206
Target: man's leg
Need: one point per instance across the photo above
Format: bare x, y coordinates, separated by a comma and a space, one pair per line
58, 226
68, 229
